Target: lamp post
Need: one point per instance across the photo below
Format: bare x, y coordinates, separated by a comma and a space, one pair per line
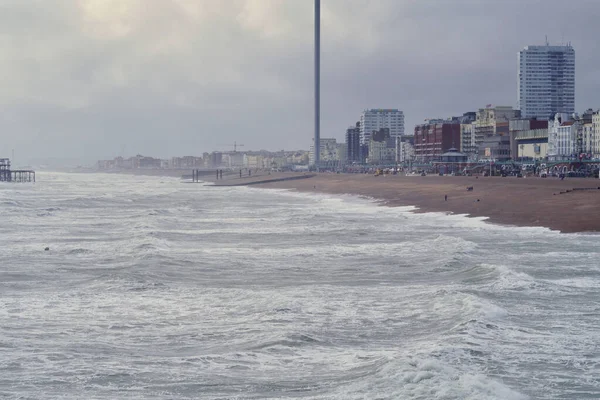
491, 158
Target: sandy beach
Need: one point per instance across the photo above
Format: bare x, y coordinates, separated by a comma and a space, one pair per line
509, 200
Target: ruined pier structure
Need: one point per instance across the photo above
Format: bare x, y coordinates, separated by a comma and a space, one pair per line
18, 175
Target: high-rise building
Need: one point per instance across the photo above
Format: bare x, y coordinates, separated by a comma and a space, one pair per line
377, 118
546, 81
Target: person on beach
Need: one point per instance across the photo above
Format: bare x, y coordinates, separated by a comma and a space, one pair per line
445, 197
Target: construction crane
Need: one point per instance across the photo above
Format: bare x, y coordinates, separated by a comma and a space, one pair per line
235, 146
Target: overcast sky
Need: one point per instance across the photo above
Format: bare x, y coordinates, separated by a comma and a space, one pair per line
89, 79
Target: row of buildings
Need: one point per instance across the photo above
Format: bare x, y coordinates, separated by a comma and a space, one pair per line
502, 133
543, 125
252, 160
376, 138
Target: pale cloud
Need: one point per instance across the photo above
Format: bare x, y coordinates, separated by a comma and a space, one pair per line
261, 16
167, 77
109, 19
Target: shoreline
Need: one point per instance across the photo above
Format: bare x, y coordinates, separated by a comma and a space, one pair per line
509, 201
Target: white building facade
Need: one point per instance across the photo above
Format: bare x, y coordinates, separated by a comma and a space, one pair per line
596, 135
468, 144
546, 81
587, 139
562, 138
377, 118
253, 161
566, 140
381, 152
328, 152
406, 152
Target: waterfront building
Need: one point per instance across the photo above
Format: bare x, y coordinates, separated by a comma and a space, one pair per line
530, 144
546, 81
185, 162
495, 147
467, 133
562, 137
553, 145
573, 138
253, 161
434, 137
144, 162
585, 135
236, 159
353, 144
328, 151
382, 147
342, 153
376, 118
516, 129
491, 121
364, 152
406, 151
596, 133
587, 139
216, 159
566, 140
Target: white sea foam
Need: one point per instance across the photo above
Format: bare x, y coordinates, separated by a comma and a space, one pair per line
152, 288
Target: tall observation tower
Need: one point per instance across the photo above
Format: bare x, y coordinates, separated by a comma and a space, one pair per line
317, 144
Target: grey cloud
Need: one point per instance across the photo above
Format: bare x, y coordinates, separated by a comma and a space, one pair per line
85, 78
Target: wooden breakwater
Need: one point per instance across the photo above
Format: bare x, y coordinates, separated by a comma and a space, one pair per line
580, 189
260, 180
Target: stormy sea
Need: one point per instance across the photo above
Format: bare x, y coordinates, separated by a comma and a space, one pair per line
156, 289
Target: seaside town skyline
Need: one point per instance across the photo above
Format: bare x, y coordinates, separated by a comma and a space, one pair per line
547, 128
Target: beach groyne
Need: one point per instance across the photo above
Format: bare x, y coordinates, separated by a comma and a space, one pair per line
259, 180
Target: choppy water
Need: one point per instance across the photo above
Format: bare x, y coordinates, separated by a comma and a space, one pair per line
157, 289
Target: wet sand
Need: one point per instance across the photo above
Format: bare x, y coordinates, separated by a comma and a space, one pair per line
509, 201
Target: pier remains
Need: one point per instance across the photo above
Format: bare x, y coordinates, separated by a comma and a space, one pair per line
18, 175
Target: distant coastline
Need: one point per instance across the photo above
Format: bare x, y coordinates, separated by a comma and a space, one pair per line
535, 202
